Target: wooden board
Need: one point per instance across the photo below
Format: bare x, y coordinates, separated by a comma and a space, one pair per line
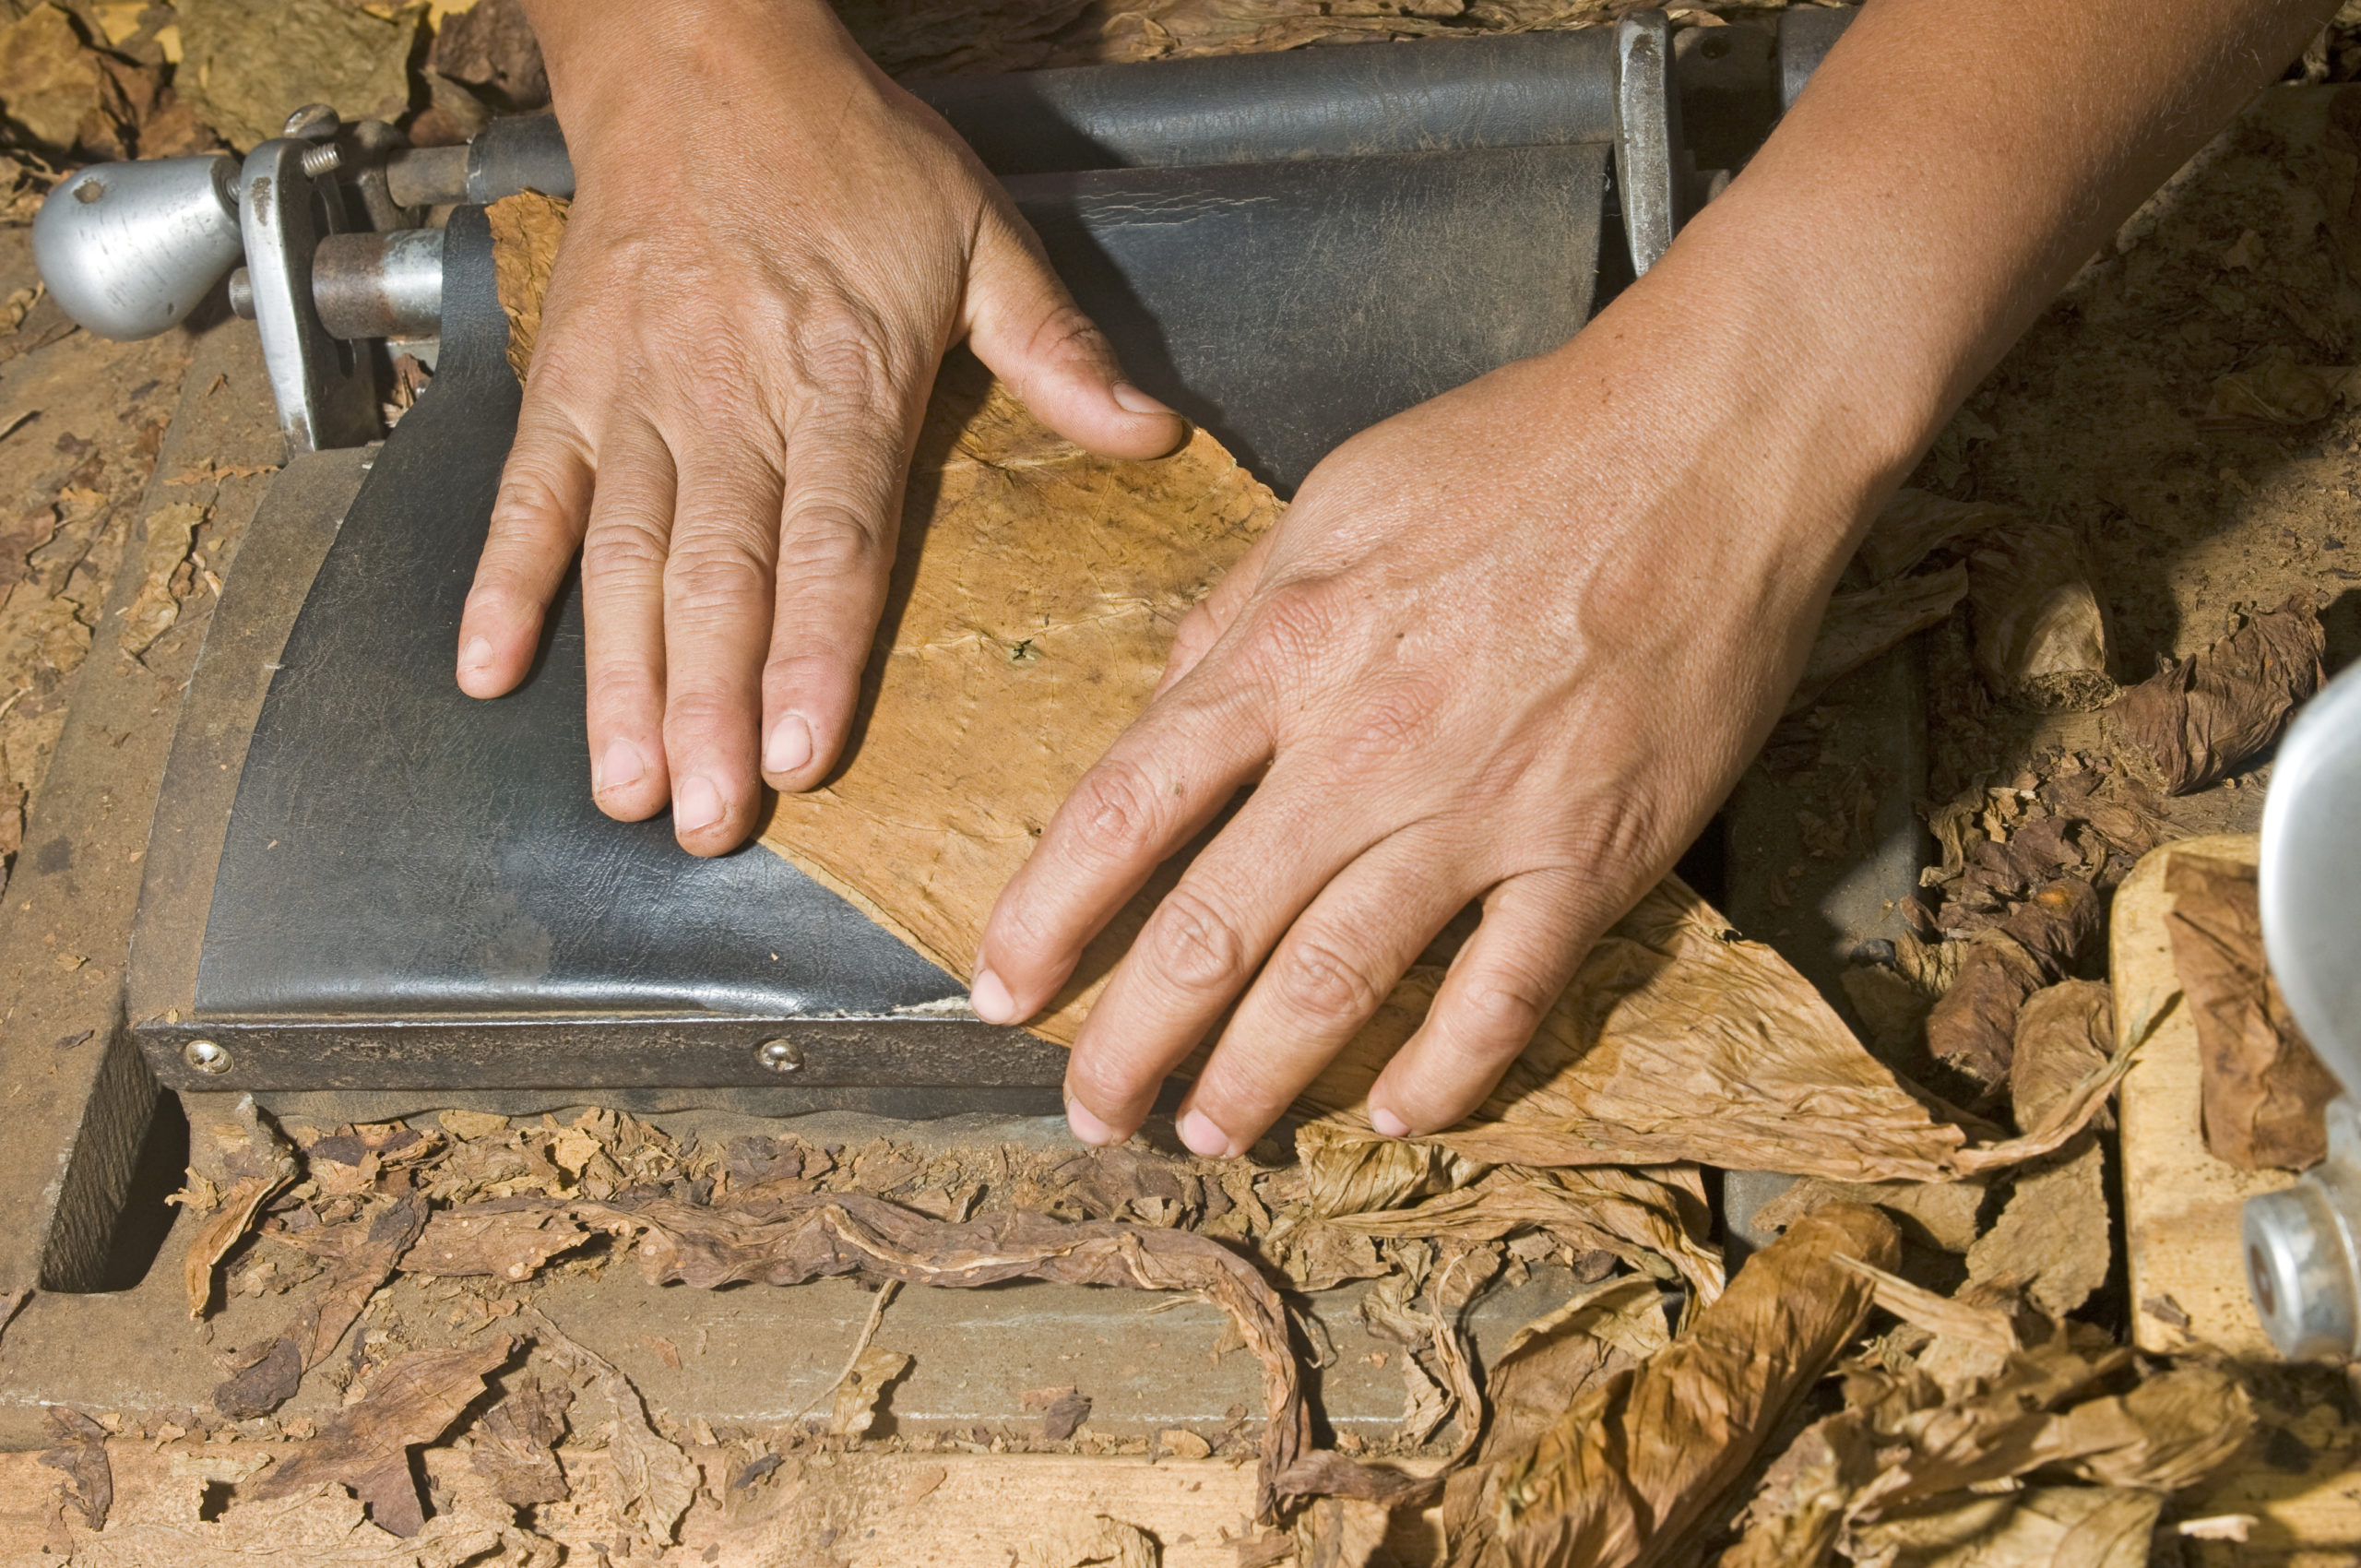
2181, 1209
2181, 1205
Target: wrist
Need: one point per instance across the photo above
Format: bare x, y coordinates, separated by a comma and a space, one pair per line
607, 63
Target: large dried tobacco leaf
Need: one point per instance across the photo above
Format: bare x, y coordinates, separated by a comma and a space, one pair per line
817, 1234
1627, 1474
236, 1162
1677, 1043
1034, 600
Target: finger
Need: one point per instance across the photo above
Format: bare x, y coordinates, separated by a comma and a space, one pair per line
1336, 965
719, 573
1536, 929
1197, 950
846, 465
1211, 616
1023, 324
622, 620
537, 523
1162, 780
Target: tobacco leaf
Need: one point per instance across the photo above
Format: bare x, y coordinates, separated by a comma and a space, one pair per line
246, 63
362, 1254
2213, 712
654, 1481
1341, 1532
2262, 1093
1945, 1317
367, 1445
79, 1447
1914, 524
525, 230
1940, 1213
809, 1236
853, 1408
1904, 1451
1067, 1412
164, 547
505, 1238
1862, 623
2274, 390
514, 1444
1591, 1208
2050, 1526
1630, 1471
59, 90
489, 47
2052, 1241
2037, 625
237, 1161
1973, 1025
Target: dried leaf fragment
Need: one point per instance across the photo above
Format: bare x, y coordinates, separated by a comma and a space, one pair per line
238, 1161
2261, 1091
1096, 1540
2038, 624
1860, 624
1629, 1472
2215, 711
367, 1445
525, 230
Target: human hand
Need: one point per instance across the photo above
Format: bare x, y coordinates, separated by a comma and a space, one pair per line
1511, 646
770, 248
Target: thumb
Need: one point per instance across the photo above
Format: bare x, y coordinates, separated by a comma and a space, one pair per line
1023, 324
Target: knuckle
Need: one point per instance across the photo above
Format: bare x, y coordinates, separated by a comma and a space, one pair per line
842, 354
1500, 1011
1192, 944
1323, 984
1298, 621
1115, 810
1105, 1083
829, 538
621, 550
1389, 727
702, 578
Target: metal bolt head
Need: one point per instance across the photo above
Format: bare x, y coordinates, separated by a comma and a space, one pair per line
206, 1056
314, 122
779, 1055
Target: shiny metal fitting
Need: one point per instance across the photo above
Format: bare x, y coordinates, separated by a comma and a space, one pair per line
207, 1057
779, 1055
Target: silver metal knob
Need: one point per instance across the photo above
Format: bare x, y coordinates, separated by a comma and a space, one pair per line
128, 249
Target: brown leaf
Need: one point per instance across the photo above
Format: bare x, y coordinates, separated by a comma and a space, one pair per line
79, 1447
169, 530
1091, 1541
2037, 624
513, 1444
2213, 712
361, 1255
654, 1481
1629, 1472
58, 88
247, 64
814, 1235
503, 1239
1916, 523
237, 1161
490, 47
2065, 1033
1861, 625
1973, 1025
1941, 1213
2050, 1526
367, 1445
1065, 1414
526, 229
853, 1408
2262, 1093
2275, 391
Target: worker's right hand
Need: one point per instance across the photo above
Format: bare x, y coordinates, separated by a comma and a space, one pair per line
770, 248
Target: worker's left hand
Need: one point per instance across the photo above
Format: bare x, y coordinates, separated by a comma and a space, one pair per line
1512, 646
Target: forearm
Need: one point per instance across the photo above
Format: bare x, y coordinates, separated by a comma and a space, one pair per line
1951, 166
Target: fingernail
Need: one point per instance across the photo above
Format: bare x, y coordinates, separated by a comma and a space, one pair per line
476, 656
1386, 1123
1132, 400
791, 746
620, 767
696, 804
989, 996
1087, 1127
1197, 1130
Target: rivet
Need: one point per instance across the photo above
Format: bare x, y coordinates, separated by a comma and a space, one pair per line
206, 1056
779, 1055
